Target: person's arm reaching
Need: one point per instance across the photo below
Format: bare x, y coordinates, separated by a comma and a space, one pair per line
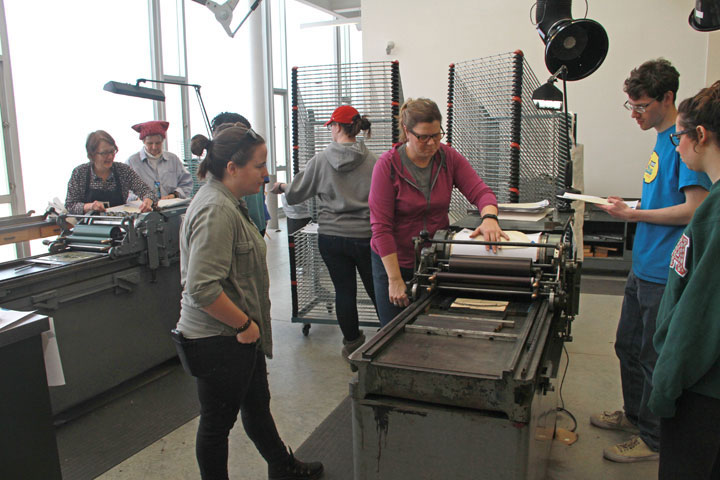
680, 214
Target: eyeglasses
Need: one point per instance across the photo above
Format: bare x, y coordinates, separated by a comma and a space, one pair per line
435, 137
639, 108
107, 153
675, 137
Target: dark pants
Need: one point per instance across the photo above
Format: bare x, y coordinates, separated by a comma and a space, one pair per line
634, 349
295, 224
386, 310
690, 441
343, 255
231, 378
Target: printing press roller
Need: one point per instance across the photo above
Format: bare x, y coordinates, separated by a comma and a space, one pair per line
519, 270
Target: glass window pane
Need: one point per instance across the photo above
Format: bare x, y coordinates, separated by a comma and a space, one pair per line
225, 73
172, 40
279, 53
4, 186
308, 46
112, 44
281, 153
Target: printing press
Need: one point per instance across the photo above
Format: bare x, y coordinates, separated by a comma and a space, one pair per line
462, 384
111, 284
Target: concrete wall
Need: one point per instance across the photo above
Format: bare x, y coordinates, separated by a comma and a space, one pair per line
429, 35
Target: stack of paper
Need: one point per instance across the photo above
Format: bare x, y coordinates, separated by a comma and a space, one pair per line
524, 212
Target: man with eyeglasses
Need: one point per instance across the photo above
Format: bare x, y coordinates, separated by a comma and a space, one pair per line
671, 192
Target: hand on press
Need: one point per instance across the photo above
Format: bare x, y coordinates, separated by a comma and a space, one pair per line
397, 291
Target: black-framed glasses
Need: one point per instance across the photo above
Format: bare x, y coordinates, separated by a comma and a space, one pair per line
675, 137
107, 153
435, 137
639, 108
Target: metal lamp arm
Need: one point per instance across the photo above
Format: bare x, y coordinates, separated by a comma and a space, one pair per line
206, 119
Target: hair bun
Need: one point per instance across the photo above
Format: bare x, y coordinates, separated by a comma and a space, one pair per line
198, 144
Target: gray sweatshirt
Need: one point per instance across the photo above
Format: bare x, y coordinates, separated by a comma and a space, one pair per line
340, 177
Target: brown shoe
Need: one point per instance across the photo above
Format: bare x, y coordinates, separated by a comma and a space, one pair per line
613, 421
634, 450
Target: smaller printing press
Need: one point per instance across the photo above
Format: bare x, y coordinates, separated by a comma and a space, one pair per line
462, 384
111, 284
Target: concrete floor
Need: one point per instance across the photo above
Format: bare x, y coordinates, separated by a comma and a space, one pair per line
308, 379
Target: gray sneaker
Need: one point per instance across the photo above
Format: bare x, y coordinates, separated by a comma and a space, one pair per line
613, 421
634, 450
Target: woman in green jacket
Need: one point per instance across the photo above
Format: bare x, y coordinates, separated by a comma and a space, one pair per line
686, 380
223, 334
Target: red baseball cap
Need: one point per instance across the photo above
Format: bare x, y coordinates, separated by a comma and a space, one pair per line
342, 114
153, 127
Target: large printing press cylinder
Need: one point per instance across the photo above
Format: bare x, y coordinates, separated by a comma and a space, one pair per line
95, 237
458, 264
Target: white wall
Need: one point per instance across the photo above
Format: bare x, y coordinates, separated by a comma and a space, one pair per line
429, 35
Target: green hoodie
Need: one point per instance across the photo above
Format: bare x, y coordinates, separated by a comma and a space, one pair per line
687, 337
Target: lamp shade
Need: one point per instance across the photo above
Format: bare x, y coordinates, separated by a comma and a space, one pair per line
134, 91
705, 17
580, 45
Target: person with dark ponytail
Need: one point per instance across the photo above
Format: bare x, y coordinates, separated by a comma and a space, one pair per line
686, 380
224, 331
340, 177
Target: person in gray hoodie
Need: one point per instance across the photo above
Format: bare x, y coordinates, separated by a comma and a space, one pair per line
340, 177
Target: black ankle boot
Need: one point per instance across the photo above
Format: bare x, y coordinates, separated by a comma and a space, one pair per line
294, 469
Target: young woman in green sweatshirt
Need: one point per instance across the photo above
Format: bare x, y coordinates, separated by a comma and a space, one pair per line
686, 380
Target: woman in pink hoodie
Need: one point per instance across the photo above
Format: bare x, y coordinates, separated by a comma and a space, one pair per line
410, 192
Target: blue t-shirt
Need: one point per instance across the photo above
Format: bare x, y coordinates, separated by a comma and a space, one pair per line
665, 177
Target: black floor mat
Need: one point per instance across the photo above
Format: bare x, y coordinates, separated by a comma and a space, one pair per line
331, 443
97, 441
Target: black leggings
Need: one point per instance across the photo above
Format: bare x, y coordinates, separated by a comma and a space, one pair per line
690, 441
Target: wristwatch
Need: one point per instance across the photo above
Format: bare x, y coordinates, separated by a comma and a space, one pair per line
489, 215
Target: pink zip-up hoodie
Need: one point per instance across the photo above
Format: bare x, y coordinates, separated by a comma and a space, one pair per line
399, 210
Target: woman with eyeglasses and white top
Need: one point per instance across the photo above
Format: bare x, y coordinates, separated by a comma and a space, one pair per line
410, 192
102, 182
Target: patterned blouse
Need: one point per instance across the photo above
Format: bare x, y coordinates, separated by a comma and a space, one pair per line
129, 181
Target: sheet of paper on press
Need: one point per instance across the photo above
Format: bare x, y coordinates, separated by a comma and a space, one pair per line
593, 199
482, 251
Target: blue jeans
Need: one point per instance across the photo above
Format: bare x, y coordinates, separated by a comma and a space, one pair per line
231, 378
343, 255
386, 310
634, 349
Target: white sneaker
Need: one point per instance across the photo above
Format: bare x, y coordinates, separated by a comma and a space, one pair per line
613, 421
634, 450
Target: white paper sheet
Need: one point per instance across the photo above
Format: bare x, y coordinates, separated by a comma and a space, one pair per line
593, 199
8, 318
53, 365
482, 251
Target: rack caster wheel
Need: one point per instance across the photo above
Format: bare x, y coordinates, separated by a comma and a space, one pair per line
306, 329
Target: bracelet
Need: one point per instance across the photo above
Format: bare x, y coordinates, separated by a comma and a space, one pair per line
489, 215
244, 327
